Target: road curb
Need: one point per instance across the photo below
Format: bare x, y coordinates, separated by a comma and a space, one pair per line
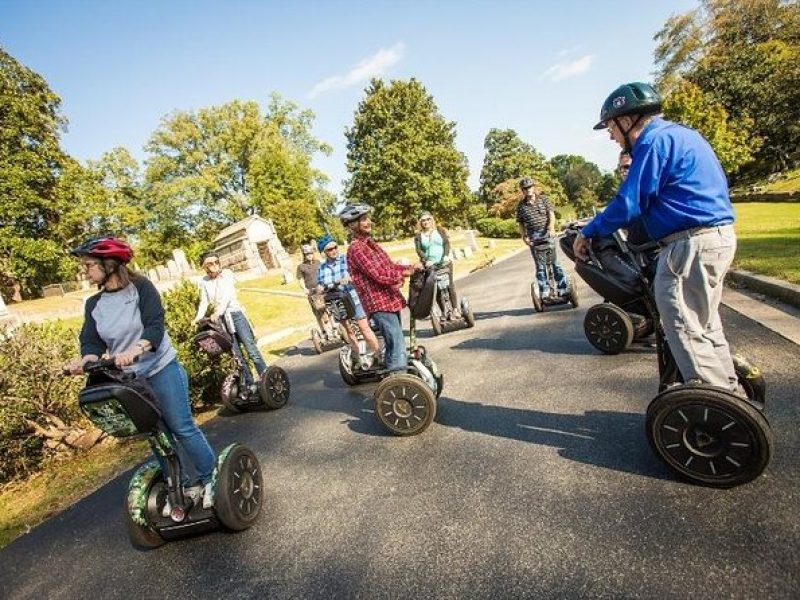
788, 293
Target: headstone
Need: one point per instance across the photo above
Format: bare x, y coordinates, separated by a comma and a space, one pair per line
454, 254
491, 244
55, 289
174, 270
288, 277
467, 252
471, 239
4, 312
180, 259
152, 275
163, 273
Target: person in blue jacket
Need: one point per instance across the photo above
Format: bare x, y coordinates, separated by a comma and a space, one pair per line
126, 320
678, 192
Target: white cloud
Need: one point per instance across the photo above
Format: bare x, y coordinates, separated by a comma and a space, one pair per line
564, 69
372, 66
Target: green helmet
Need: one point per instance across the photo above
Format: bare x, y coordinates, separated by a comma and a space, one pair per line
630, 99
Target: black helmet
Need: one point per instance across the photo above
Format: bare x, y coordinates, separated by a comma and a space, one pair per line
353, 212
525, 183
630, 99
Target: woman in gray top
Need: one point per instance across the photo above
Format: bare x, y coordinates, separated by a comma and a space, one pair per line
126, 320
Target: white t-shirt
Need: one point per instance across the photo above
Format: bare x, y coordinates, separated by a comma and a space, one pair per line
220, 293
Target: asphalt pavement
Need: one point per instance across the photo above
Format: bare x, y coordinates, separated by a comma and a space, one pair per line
535, 480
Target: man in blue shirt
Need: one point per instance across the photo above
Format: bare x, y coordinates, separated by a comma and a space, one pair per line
677, 190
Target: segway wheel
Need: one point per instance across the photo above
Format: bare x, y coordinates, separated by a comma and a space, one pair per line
538, 304
608, 328
404, 404
436, 322
572, 295
238, 490
347, 377
466, 311
274, 387
316, 339
709, 436
137, 506
229, 392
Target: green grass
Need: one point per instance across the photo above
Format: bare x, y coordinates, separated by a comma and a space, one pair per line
769, 239
788, 182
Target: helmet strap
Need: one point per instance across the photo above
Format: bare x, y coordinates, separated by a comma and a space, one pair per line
626, 132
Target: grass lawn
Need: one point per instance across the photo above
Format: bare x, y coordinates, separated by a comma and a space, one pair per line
769, 239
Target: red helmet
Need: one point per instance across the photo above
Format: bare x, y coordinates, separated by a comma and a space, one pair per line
105, 247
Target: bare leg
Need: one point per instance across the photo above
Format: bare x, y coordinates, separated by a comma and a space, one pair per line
369, 335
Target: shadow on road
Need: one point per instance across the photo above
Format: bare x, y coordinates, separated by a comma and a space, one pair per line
511, 312
608, 439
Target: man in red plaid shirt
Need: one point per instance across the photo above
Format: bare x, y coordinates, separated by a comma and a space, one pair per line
377, 280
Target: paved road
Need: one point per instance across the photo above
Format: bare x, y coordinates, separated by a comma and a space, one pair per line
535, 481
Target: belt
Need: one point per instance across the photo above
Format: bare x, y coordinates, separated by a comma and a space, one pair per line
694, 231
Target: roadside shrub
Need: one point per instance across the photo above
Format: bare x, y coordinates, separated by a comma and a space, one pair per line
205, 374
498, 228
39, 415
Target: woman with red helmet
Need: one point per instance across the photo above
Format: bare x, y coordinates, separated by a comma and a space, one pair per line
126, 320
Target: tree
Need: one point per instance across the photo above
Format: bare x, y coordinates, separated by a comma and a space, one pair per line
509, 158
220, 164
731, 139
745, 55
30, 161
402, 158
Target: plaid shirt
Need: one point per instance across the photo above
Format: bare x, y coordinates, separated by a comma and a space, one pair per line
331, 272
376, 277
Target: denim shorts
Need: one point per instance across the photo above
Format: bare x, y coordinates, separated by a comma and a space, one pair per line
360, 314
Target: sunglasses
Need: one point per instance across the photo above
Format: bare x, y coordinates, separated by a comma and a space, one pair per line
331, 248
209, 263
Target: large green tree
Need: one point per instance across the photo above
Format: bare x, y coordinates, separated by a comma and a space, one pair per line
402, 158
31, 160
744, 55
214, 166
508, 159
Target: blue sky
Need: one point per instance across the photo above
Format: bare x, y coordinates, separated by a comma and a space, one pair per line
542, 68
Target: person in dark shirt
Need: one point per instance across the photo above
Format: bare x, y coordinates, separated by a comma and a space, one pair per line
307, 277
678, 190
537, 225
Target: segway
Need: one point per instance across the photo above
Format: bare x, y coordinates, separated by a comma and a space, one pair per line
272, 389
405, 403
435, 296
704, 434
623, 318
124, 406
544, 253
328, 335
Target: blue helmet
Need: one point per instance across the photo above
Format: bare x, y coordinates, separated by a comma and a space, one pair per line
324, 241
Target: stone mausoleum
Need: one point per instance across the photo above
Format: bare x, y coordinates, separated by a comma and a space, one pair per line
251, 244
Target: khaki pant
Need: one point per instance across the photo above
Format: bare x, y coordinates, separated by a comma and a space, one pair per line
688, 289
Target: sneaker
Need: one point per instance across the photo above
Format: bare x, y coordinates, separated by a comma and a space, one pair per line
208, 495
367, 361
194, 493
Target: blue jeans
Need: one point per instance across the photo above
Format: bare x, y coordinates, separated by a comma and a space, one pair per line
392, 330
171, 386
541, 272
244, 333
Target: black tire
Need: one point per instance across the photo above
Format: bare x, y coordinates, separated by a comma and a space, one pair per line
274, 388
436, 323
316, 339
709, 436
239, 490
466, 312
143, 537
608, 328
404, 405
229, 392
348, 378
537, 301
573, 293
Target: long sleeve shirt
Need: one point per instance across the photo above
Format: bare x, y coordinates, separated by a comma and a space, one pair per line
220, 293
376, 277
115, 321
331, 271
675, 183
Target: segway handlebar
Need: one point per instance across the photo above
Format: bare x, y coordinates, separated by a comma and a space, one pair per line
97, 365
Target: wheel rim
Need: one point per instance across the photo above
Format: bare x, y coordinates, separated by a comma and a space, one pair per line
403, 408
705, 441
606, 330
278, 385
246, 486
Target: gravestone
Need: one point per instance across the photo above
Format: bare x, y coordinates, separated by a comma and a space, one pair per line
174, 270
467, 251
454, 254
471, 239
288, 276
163, 273
492, 244
180, 259
4, 312
152, 275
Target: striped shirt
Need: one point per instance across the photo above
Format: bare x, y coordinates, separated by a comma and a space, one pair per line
534, 216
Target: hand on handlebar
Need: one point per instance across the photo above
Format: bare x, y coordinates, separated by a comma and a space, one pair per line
581, 247
75, 366
128, 357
